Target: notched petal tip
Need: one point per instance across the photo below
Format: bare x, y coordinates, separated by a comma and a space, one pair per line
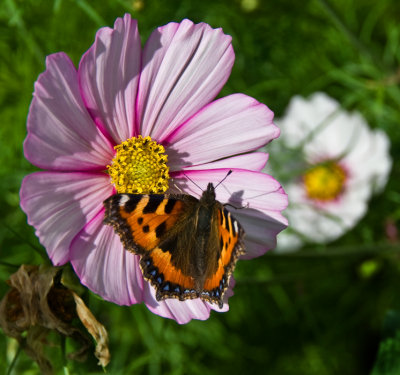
185, 65
108, 78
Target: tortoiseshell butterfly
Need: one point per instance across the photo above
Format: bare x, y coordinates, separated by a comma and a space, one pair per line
188, 246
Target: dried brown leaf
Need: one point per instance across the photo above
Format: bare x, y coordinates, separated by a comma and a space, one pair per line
96, 329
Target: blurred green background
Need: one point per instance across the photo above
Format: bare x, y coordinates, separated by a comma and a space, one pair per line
331, 309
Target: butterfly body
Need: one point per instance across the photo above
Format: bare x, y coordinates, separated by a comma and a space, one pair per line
188, 246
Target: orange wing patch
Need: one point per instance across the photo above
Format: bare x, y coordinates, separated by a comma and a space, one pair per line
161, 260
148, 227
231, 248
141, 220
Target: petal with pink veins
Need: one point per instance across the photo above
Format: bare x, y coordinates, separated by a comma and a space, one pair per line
242, 188
260, 231
259, 200
108, 77
184, 311
181, 311
184, 67
58, 206
233, 124
253, 161
61, 133
104, 266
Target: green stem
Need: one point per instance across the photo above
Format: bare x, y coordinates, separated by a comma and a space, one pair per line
12, 364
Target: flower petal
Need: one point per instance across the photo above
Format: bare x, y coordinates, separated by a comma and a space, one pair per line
104, 266
372, 150
260, 231
254, 161
61, 133
231, 125
108, 77
339, 136
316, 226
325, 222
304, 116
184, 311
59, 204
184, 67
181, 311
288, 242
241, 188
259, 199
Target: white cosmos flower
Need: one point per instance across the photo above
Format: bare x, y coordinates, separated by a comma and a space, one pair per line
335, 162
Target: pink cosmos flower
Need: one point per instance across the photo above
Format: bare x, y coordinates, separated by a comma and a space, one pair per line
121, 92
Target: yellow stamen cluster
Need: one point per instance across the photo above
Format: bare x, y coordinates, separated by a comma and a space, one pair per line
325, 181
139, 167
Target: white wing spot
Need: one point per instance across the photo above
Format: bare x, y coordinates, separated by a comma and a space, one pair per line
235, 224
123, 199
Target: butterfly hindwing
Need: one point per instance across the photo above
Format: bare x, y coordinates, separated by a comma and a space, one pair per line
168, 280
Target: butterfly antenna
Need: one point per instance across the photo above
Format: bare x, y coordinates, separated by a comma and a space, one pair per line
219, 183
192, 181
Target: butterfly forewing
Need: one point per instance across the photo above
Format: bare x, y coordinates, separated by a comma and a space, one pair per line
141, 220
230, 247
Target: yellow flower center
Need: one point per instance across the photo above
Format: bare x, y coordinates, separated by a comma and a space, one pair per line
139, 167
325, 181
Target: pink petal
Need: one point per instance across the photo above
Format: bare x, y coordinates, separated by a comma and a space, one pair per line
104, 266
259, 199
254, 161
261, 231
232, 125
59, 204
181, 311
184, 311
184, 67
108, 77
61, 133
242, 187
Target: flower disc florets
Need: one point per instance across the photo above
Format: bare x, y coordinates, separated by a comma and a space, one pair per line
325, 182
139, 167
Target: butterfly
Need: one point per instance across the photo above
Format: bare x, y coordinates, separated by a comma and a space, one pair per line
188, 246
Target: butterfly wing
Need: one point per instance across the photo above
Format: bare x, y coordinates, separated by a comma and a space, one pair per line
154, 226
228, 236
159, 228
142, 220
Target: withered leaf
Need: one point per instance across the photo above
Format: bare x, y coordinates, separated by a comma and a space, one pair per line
38, 303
